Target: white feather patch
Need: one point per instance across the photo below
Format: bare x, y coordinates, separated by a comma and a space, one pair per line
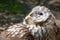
36, 30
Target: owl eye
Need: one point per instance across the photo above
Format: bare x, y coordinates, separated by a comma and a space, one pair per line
40, 13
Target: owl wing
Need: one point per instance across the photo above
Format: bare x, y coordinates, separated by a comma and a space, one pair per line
17, 32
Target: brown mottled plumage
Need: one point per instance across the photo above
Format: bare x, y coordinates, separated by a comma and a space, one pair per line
16, 32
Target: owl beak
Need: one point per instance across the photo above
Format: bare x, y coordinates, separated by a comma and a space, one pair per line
31, 14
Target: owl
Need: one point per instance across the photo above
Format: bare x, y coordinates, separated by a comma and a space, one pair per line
39, 24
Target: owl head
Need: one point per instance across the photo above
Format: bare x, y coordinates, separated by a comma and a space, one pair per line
38, 14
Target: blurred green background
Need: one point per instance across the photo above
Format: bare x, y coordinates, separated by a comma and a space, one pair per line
14, 11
